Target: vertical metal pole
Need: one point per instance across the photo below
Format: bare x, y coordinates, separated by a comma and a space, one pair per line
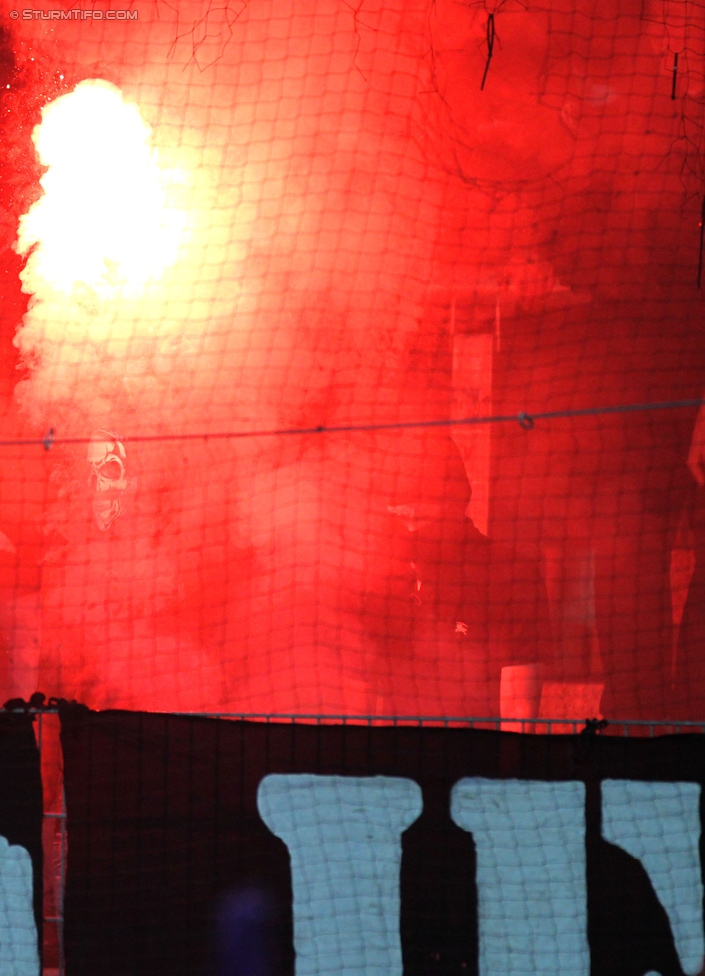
62, 877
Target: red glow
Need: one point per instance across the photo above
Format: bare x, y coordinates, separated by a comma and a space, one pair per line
358, 235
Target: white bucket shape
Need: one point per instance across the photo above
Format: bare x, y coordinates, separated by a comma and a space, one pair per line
519, 695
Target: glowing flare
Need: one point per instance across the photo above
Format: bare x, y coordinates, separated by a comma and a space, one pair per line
103, 223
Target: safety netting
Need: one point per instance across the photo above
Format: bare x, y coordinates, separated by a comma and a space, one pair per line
352, 356
223, 847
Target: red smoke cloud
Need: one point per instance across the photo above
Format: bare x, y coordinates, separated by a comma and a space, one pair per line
341, 178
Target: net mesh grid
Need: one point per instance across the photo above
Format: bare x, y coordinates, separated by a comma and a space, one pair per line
369, 381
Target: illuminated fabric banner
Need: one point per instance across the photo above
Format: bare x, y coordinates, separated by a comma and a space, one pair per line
20, 847
199, 845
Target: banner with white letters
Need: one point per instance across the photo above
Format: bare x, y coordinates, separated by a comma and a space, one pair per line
21, 814
204, 846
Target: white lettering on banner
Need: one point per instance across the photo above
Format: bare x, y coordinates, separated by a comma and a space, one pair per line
19, 948
659, 824
344, 840
531, 874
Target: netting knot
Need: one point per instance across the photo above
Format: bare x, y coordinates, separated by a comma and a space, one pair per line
594, 726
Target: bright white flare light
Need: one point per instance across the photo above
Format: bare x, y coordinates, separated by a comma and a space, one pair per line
103, 222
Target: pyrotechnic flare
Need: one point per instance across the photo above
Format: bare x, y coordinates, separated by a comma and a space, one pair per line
101, 242
103, 226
